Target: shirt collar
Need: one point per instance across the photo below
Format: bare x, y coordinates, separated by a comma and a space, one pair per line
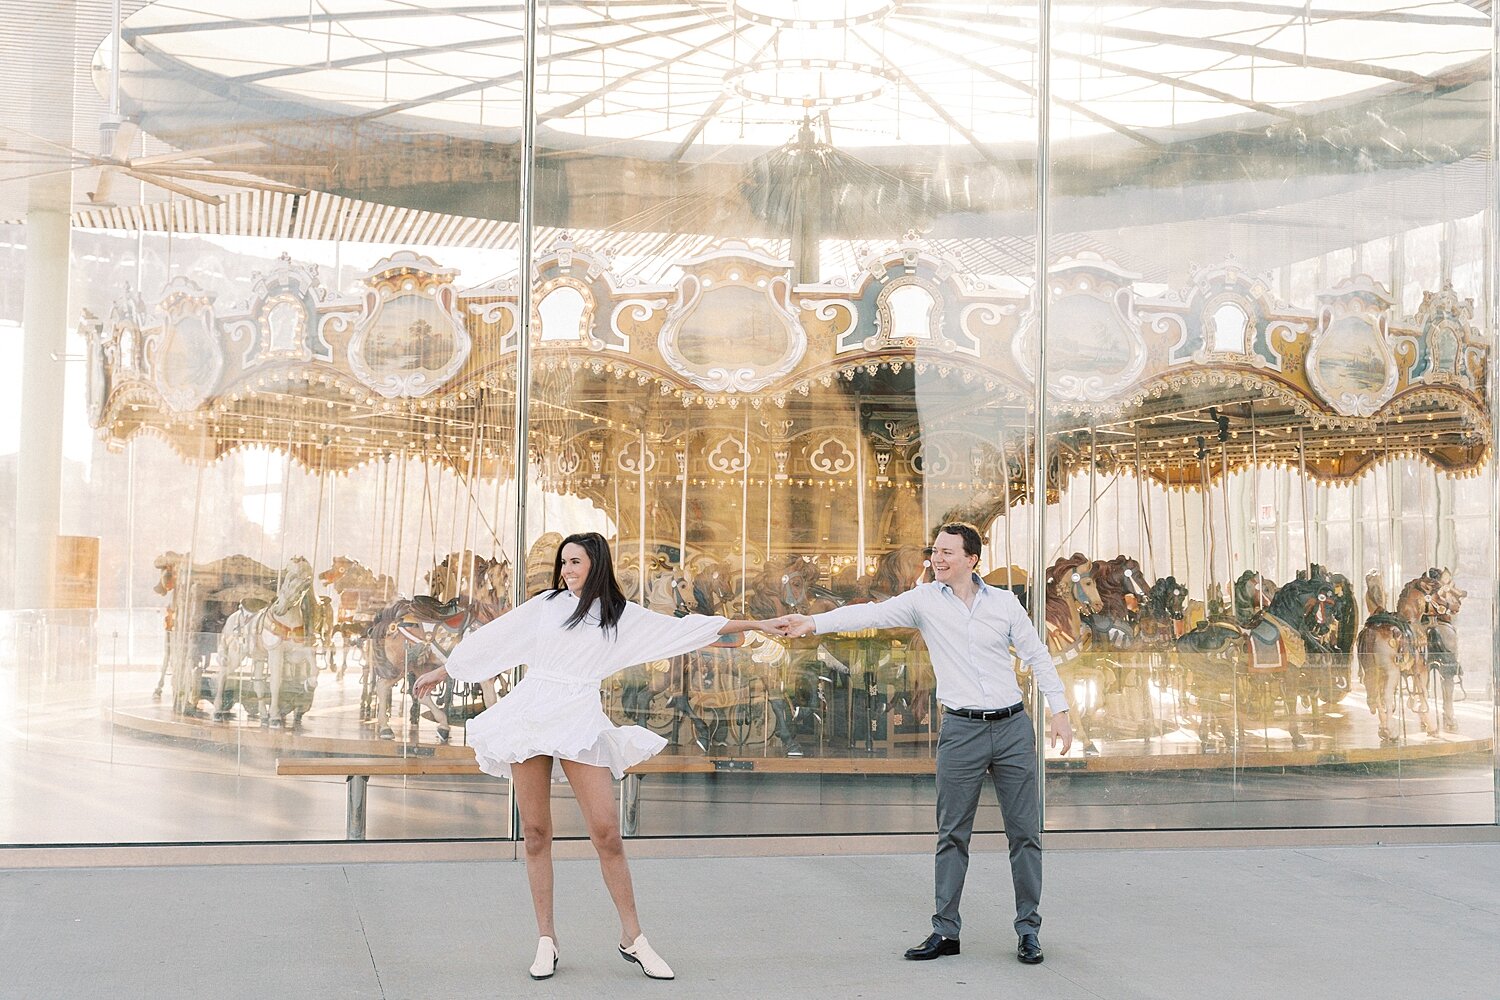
978, 582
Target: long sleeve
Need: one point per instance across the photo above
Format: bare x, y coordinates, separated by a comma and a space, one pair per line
647, 635
1035, 654
498, 646
897, 612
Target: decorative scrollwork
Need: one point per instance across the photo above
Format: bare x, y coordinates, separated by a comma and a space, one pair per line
831, 457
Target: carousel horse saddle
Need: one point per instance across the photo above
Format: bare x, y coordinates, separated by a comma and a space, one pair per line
1267, 651
430, 611
1389, 619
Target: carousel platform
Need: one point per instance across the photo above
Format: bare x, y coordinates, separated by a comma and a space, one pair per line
1343, 734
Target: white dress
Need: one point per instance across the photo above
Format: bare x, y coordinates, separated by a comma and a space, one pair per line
556, 709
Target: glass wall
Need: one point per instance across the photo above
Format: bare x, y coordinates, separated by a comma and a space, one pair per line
322, 330
1261, 250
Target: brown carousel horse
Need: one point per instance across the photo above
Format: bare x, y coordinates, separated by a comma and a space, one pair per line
896, 572
714, 591
789, 586
906, 669
1122, 591
1116, 625
1071, 593
482, 588
407, 639
359, 595
1391, 648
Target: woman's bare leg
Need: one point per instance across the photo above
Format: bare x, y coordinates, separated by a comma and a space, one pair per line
594, 788
532, 781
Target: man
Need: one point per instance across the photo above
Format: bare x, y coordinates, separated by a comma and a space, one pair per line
970, 629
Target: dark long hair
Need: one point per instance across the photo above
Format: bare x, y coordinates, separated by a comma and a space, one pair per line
600, 585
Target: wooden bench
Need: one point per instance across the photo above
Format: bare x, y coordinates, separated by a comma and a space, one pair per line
357, 771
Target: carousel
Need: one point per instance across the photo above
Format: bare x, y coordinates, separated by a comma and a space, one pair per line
756, 443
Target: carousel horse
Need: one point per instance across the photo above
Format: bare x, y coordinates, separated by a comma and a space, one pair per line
1391, 648
1283, 643
897, 678
1116, 627
1161, 623
1374, 592
185, 653
714, 592
1346, 615
280, 641
896, 572
1070, 595
847, 585
787, 587
1209, 659
670, 592
407, 639
539, 562
359, 595
481, 587
1162, 613
1442, 648
1257, 663
202, 596
1330, 630
1122, 590
1252, 595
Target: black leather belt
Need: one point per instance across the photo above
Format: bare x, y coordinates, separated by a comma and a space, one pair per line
988, 714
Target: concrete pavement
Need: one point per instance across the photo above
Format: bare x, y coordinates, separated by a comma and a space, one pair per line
1324, 923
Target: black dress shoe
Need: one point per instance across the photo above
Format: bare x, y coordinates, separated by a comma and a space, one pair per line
1029, 950
936, 946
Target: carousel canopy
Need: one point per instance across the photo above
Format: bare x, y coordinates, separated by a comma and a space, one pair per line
1183, 387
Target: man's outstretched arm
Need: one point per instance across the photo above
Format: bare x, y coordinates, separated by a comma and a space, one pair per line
898, 612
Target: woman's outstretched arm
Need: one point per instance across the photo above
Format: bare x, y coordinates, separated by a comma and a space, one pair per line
736, 626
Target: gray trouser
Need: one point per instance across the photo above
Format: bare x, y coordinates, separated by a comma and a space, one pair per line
967, 749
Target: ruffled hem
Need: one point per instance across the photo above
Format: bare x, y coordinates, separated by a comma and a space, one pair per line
617, 748
538, 719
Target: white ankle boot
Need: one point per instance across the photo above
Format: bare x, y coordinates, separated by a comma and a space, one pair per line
546, 959
641, 953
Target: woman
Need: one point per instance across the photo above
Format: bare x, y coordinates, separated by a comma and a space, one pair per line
552, 724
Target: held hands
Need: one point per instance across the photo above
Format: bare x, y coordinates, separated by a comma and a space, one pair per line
793, 626
428, 681
1062, 729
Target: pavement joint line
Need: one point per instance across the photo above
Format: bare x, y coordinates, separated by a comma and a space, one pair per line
1070, 979
1400, 886
364, 934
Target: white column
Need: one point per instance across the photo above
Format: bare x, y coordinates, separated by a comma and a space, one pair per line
44, 325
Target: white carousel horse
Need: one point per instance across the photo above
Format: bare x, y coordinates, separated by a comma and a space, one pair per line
281, 641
